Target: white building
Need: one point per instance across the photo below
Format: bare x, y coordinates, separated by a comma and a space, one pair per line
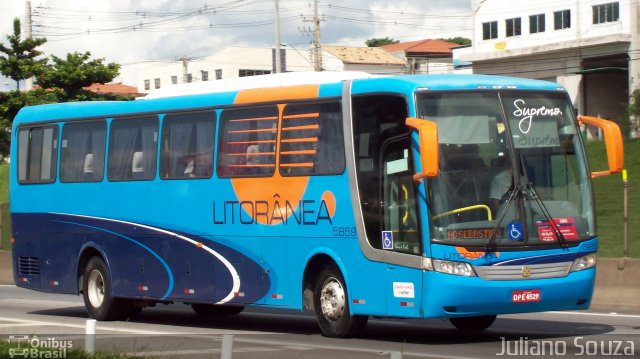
589, 46
234, 61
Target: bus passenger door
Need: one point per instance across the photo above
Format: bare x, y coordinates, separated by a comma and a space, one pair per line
399, 221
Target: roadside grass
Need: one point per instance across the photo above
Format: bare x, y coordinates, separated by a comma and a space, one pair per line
608, 195
56, 353
608, 192
5, 231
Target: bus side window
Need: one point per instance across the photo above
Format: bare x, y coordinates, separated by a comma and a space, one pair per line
241, 128
133, 149
187, 145
37, 154
312, 141
82, 151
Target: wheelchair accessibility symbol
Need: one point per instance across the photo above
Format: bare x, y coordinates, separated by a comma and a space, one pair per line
515, 231
387, 240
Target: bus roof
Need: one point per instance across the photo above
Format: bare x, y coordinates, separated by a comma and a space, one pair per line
196, 95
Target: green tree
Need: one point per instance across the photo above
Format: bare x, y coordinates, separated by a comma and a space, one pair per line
459, 40
11, 102
376, 42
73, 73
19, 60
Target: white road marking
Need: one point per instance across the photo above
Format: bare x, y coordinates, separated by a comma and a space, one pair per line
592, 314
81, 326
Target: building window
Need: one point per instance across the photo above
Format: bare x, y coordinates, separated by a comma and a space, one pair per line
174, 80
489, 30
147, 85
204, 75
562, 19
606, 13
156, 83
513, 27
218, 74
245, 72
536, 23
189, 77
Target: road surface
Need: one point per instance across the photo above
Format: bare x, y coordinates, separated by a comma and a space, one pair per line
174, 331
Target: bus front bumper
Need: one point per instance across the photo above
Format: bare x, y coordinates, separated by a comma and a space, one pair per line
447, 295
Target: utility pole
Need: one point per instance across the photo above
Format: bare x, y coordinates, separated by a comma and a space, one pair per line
28, 83
185, 67
317, 48
278, 58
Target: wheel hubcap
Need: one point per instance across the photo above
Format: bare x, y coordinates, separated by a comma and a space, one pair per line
95, 288
332, 299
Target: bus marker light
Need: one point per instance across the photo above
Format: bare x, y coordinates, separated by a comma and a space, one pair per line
54, 283
358, 301
143, 288
13, 240
238, 294
406, 304
199, 244
189, 291
276, 296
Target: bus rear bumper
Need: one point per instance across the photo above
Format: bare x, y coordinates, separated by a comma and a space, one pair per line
448, 296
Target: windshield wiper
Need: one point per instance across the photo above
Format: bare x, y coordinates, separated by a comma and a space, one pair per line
490, 246
547, 215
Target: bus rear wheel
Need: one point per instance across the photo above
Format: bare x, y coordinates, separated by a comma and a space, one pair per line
96, 293
331, 305
211, 310
473, 324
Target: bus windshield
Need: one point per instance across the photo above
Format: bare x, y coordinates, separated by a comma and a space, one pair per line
512, 170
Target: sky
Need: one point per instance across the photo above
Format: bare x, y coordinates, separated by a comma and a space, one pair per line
135, 31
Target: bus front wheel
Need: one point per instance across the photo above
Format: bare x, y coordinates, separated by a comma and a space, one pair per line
473, 324
331, 305
100, 305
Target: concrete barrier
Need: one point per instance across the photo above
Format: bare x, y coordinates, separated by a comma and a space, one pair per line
617, 283
617, 286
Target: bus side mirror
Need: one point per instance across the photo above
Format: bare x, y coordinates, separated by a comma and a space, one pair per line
428, 145
613, 142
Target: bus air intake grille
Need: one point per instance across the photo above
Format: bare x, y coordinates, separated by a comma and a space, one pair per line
519, 272
28, 265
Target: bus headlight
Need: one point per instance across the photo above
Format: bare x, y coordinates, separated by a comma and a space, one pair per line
584, 262
456, 268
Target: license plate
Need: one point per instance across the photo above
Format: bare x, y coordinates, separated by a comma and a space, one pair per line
525, 296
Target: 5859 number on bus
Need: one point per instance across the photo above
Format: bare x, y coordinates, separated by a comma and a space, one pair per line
344, 232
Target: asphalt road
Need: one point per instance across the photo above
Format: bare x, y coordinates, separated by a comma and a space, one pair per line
174, 331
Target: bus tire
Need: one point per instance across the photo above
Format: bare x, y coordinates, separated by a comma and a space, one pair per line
473, 324
97, 294
331, 305
212, 310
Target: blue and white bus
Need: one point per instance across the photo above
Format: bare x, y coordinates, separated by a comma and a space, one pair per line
441, 196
